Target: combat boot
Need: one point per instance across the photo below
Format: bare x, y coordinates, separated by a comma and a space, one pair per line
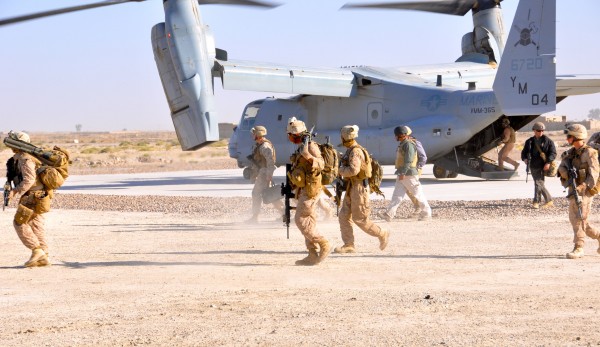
383, 239
345, 249
44, 261
311, 259
576, 253
535, 205
548, 204
36, 255
325, 249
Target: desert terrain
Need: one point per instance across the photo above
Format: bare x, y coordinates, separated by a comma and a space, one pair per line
154, 270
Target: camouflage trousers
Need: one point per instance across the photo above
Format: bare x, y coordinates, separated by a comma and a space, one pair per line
503, 155
356, 209
262, 183
306, 219
408, 185
33, 233
581, 227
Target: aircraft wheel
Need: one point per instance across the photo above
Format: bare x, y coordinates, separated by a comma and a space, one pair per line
452, 174
439, 172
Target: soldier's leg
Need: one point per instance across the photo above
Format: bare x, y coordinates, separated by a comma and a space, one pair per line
590, 230
361, 210
501, 157
536, 174
345, 219
397, 197
324, 205
577, 224
414, 201
26, 234
507, 149
260, 185
37, 227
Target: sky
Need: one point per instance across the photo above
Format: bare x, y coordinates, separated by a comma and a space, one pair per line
96, 67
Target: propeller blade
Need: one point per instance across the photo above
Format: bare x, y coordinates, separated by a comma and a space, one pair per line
454, 7
63, 10
238, 2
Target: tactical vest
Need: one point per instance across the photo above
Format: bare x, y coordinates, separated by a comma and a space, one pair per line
400, 156
581, 167
258, 158
304, 176
365, 165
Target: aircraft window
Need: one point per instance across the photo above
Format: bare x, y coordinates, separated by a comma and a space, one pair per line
437, 132
279, 117
374, 114
248, 117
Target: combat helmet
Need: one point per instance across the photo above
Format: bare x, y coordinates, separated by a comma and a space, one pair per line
259, 130
538, 126
578, 131
505, 122
349, 132
295, 126
402, 130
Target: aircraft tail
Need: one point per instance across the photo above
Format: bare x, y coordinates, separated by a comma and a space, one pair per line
525, 83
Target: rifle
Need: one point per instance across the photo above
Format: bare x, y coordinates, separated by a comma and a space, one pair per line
287, 192
527, 167
340, 187
12, 177
572, 183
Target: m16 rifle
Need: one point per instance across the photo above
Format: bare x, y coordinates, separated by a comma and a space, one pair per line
288, 193
572, 183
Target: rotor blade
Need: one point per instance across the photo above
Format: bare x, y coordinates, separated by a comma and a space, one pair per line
63, 10
238, 2
454, 7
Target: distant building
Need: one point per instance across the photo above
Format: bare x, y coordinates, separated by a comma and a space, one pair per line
556, 122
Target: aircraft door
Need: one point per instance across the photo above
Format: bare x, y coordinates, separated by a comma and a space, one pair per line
374, 114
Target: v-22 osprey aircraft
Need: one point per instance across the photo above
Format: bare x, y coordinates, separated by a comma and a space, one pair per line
454, 109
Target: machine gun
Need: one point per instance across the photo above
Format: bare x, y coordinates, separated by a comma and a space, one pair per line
572, 183
288, 193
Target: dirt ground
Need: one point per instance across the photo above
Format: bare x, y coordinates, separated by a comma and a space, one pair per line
122, 279
189, 279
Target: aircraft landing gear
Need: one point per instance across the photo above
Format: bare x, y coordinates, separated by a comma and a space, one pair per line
440, 172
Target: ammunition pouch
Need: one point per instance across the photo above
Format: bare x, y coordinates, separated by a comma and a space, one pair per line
38, 201
23, 214
297, 177
313, 185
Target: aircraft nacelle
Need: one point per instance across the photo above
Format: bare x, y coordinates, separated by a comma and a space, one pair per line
184, 51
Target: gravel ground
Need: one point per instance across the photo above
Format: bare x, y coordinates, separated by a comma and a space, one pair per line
220, 207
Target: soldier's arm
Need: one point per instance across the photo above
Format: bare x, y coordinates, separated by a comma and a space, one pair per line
551, 150
266, 150
354, 160
316, 158
593, 141
525, 150
27, 167
594, 169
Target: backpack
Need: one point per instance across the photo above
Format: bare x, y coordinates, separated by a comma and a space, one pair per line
373, 172
55, 167
52, 166
376, 176
331, 158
